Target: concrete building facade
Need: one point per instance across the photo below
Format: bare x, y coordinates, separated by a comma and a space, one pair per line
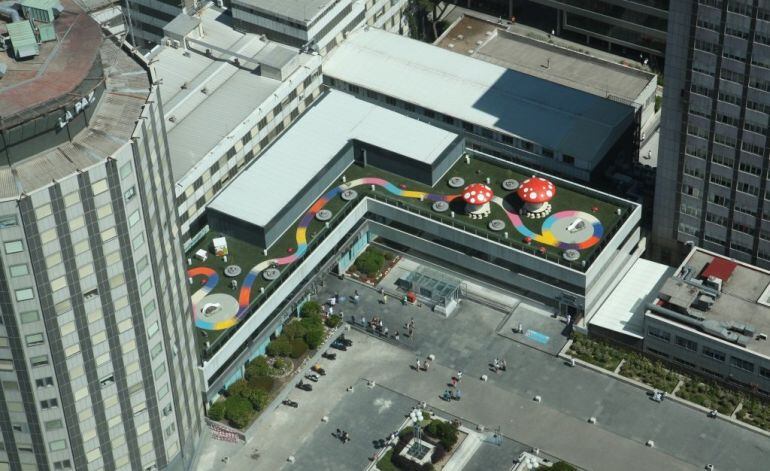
98, 365
711, 188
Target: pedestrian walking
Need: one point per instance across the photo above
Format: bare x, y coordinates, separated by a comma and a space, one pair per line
459, 375
381, 324
418, 364
356, 293
363, 321
503, 365
569, 319
454, 381
384, 299
427, 365
396, 336
386, 332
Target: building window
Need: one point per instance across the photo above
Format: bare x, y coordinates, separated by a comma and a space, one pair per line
657, 352
18, 270
661, 334
14, 246
684, 362
49, 403
57, 445
65, 464
44, 382
8, 220
34, 339
125, 170
40, 360
129, 194
742, 364
24, 294
714, 354
764, 372
711, 372
686, 344
568, 159
54, 424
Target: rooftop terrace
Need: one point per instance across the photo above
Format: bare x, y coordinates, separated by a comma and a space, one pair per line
401, 192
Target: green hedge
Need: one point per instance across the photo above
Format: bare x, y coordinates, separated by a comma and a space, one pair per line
280, 347
755, 412
370, 262
645, 370
562, 466
445, 432
217, 410
238, 411
333, 321
310, 308
258, 367
264, 383
710, 395
595, 352
298, 348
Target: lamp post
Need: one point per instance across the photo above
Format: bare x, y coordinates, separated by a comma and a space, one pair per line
416, 416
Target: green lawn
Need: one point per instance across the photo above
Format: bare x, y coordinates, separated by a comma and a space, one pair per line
385, 464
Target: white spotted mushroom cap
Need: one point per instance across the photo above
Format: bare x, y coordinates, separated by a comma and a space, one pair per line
536, 190
477, 193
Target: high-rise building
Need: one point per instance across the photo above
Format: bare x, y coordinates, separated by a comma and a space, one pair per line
98, 367
711, 188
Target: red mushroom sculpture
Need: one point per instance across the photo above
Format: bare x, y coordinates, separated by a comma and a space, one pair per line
477, 197
536, 192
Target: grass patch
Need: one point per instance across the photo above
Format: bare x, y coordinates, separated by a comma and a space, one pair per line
710, 395
596, 352
755, 412
649, 372
385, 463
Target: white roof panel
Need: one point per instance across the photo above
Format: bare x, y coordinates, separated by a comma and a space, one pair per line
558, 117
623, 310
264, 189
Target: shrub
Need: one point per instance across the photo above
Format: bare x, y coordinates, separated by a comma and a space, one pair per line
263, 383
257, 367
333, 321
562, 466
445, 432
217, 410
405, 464
239, 388
238, 411
258, 398
294, 330
310, 308
370, 262
312, 321
314, 338
438, 454
279, 347
298, 348
280, 365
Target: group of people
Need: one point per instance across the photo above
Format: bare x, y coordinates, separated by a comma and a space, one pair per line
342, 435
499, 365
422, 365
455, 394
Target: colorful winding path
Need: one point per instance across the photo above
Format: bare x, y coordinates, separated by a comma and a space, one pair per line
545, 237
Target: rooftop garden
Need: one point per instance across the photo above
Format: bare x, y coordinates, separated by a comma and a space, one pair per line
246, 254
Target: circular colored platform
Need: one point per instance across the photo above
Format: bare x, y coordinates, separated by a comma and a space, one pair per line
349, 195
571, 255
510, 184
232, 271
456, 182
271, 274
216, 312
323, 215
496, 225
440, 206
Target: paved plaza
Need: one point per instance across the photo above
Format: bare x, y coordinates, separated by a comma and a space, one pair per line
685, 439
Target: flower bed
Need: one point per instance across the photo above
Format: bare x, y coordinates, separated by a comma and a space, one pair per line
596, 352
643, 369
710, 395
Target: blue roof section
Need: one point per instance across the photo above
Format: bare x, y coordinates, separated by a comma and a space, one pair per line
564, 119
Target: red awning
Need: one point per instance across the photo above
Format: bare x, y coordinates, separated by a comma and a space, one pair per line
720, 268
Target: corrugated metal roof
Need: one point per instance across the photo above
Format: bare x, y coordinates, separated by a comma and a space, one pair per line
264, 189
23, 39
557, 117
623, 310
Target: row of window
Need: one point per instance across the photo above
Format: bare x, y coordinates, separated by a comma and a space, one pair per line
709, 352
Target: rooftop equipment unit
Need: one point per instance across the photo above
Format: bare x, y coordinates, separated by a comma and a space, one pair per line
44, 11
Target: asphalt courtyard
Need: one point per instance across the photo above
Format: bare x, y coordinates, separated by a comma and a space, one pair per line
684, 438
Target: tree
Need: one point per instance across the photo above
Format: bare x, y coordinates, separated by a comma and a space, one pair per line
238, 411
294, 330
314, 338
423, 9
310, 308
257, 367
279, 347
217, 410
